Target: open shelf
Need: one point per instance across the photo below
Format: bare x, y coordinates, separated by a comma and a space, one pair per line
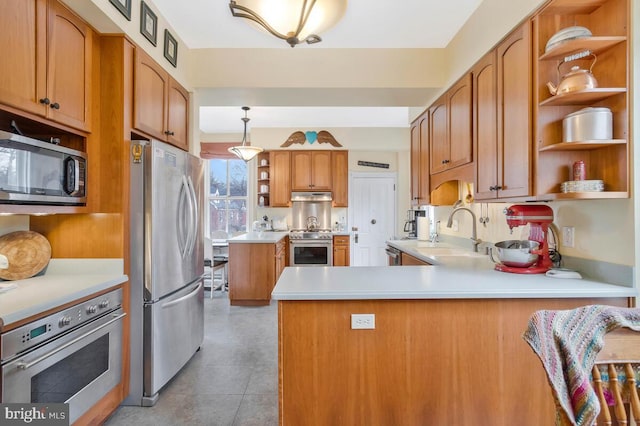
595, 195
582, 145
594, 44
583, 97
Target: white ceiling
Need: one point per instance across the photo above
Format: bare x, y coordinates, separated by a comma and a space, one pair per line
366, 24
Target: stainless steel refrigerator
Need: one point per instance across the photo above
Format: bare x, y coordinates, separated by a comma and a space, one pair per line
167, 265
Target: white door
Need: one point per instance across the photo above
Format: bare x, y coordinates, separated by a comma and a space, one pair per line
372, 210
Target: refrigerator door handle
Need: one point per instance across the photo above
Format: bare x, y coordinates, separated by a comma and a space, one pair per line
183, 229
194, 215
183, 298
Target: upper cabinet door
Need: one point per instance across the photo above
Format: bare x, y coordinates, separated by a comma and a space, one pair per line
301, 171
150, 96
515, 117
69, 68
321, 170
178, 116
340, 178
280, 184
460, 118
23, 44
46, 65
160, 104
438, 136
485, 110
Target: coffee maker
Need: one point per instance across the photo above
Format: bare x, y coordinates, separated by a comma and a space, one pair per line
411, 224
539, 217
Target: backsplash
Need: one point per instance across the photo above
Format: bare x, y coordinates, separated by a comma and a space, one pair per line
598, 225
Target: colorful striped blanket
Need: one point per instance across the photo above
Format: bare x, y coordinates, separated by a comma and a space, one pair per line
567, 343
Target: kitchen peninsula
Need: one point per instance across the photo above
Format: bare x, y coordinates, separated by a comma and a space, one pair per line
446, 347
256, 260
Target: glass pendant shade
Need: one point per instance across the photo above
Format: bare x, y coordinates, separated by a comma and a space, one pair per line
245, 152
295, 21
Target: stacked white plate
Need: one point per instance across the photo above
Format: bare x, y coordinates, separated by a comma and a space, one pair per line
582, 186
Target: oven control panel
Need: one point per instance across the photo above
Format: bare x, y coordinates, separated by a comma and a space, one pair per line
24, 337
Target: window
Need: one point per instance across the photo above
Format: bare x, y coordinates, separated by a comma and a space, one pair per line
228, 195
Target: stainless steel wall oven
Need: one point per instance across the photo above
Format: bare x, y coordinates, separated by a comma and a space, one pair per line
73, 356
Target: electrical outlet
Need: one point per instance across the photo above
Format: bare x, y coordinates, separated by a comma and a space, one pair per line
568, 236
363, 321
454, 225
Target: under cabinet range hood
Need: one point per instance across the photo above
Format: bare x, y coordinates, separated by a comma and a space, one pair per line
311, 196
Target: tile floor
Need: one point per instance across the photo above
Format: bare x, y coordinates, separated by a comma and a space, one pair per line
232, 380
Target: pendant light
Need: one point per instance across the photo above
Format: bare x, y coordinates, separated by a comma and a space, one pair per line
295, 21
244, 151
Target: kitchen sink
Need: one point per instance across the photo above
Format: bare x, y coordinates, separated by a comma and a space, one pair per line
447, 251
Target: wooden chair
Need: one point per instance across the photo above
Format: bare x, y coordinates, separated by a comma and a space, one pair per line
619, 358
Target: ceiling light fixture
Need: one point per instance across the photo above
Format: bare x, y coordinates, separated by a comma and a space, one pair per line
244, 151
295, 21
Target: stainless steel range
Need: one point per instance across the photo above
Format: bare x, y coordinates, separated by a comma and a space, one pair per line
310, 240
310, 247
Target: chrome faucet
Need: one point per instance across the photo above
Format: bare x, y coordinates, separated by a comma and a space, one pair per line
474, 236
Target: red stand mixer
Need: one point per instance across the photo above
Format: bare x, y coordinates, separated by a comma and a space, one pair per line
539, 217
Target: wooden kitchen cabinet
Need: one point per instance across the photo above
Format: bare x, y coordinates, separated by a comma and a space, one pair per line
254, 269
264, 174
341, 252
340, 178
450, 128
420, 193
409, 380
408, 260
282, 258
161, 105
311, 170
280, 183
47, 60
502, 118
606, 160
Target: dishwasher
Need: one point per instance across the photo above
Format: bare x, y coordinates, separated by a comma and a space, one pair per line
394, 256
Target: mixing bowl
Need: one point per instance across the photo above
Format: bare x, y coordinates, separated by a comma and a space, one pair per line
515, 253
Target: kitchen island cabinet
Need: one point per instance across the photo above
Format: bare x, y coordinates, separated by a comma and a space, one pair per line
256, 260
446, 347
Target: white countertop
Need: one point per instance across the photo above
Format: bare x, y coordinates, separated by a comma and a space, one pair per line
259, 237
64, 281
464, 275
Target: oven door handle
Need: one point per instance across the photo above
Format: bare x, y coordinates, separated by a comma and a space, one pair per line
26, 366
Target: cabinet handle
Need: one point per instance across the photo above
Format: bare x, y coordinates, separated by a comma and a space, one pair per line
492, 188
45, 101
498, 187
55, 105
169, 133
445, 161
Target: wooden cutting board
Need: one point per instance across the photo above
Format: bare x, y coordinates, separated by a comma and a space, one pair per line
27, 253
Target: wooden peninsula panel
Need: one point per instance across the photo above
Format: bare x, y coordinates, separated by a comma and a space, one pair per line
427, 362
252, 273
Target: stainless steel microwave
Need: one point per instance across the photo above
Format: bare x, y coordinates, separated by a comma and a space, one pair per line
37, 172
